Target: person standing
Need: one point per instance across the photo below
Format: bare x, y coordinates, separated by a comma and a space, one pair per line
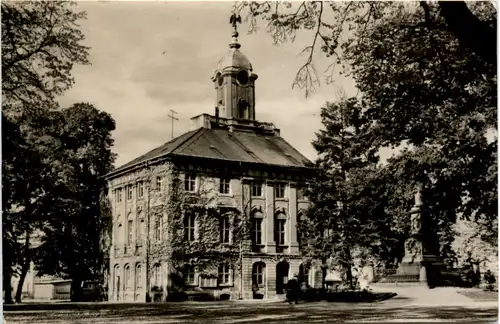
293, 289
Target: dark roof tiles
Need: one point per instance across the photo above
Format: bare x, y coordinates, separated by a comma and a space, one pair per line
241, 146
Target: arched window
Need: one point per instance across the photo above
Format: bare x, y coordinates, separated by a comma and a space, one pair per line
259, 274
127, 276
116, 281
280, 230
119, 238
138, 276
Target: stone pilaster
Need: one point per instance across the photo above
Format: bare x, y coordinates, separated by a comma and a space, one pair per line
292, 224
269, 237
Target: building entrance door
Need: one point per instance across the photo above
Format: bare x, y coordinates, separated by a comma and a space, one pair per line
282, 269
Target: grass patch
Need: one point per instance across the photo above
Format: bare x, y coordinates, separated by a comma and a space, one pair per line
480, 295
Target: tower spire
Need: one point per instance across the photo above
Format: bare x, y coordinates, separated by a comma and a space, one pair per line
235, 19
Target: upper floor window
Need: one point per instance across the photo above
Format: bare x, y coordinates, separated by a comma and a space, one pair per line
280, 229
158, 228
279, 190
189, 275
190, 183
189, 228
119, 195
129, 192
224, 274
140, 189
300, 194
256, 189
130, 230
225, 186
224, 229
158, 183
257, 231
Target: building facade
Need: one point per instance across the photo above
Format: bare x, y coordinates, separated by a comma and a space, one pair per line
240, 163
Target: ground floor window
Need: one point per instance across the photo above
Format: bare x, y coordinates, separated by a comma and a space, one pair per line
258, 274
189, 275
224, 274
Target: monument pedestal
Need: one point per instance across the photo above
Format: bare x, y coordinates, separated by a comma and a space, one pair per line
419, 265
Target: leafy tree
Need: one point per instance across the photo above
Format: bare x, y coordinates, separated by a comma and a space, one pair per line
336, 26
71, 247
420, 88
41, 42
345, 220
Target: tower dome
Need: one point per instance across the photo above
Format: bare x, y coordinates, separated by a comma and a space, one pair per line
234, 81
234, 59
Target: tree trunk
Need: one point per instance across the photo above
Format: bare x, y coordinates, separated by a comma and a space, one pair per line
76, 289
24, 272
7, 283
471, 32
25, 266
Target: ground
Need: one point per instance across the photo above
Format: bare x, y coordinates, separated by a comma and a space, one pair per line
395, 310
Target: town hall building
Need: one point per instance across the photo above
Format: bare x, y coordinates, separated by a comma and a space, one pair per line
250, 167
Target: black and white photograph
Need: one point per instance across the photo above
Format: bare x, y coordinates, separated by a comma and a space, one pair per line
249, 162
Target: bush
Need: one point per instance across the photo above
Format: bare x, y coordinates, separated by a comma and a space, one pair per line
489, 280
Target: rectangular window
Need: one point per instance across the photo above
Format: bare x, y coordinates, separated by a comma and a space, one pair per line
258, 274
130, 232
257, 190
158, 184
224, 274
140, 189
279, 190
280, 231
257, 231
224, 229
190, 183
189, 229
300, 194
189, 275
158, 228
129, 192
156, 275
225, 186
119, 195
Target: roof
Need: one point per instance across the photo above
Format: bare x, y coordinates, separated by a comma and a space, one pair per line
222, 144
234, 59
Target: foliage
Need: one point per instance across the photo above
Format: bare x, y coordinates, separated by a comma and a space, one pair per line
41, 41
206, 251
79, 151
490, 280
421, 91
346, 219
337, 27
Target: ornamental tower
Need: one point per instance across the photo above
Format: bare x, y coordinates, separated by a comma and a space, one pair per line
234, 81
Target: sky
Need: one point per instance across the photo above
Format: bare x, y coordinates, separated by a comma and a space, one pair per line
150, 57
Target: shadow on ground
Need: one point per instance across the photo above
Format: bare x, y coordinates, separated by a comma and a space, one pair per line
237, 312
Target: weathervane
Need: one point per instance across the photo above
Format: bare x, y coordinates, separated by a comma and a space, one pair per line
235, 19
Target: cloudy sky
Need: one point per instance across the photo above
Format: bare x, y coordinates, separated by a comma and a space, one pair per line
150, 57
